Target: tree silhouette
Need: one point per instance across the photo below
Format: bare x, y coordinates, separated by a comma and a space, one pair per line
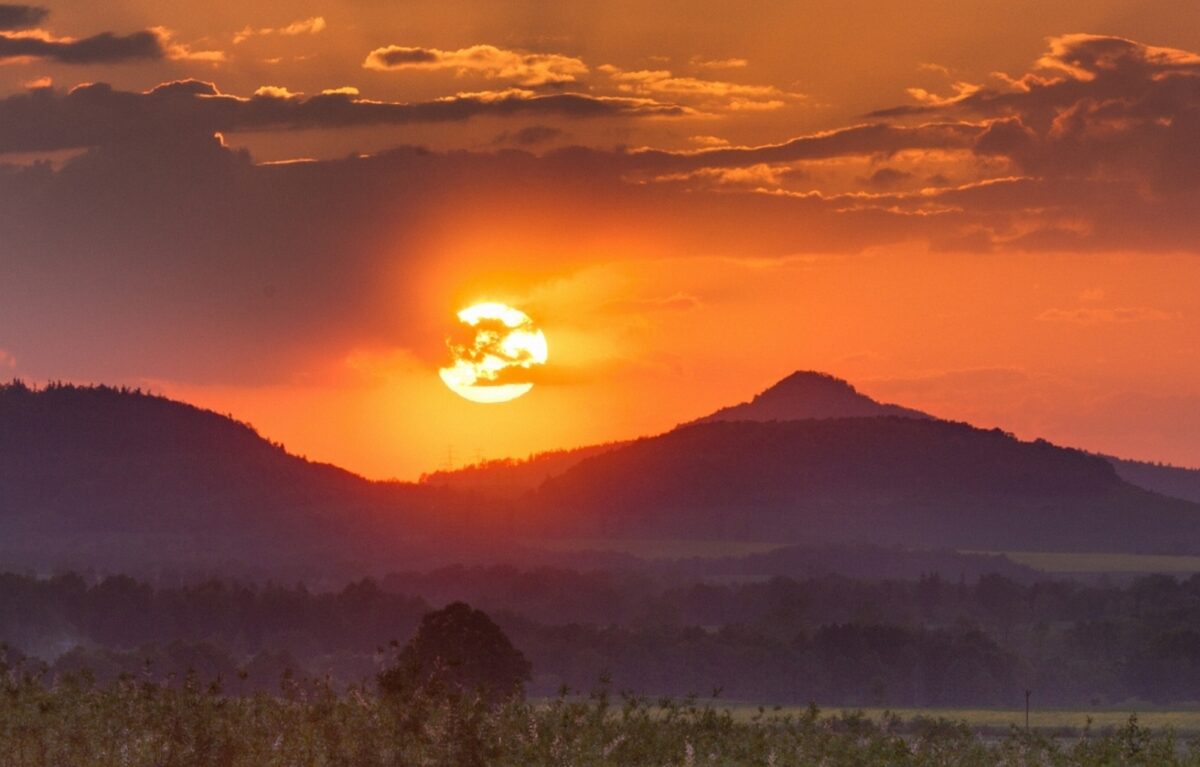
457, 650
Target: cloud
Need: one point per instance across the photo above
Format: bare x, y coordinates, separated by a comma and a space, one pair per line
1093, 149
488, 61
530, 135
737, 96
1094, 105
867, 139
760, 176
7, 361
731, 63
309, 26
279, 92
886, 178
97, 114
1099, 316
302, 261
104, 48
176, 51
21, 16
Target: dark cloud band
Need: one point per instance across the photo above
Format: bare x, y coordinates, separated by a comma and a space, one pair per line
104, 48
95, 115
21, 16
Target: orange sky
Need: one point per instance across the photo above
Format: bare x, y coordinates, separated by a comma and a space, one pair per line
988, 211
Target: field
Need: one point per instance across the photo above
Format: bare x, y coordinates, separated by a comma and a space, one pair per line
1071, 563
1185, 723
139, 724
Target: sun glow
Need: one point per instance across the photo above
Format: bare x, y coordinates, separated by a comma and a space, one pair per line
493, 352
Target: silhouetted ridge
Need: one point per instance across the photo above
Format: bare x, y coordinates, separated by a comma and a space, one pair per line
1175, 481
809, 394
889, 480
96, 475
800, 396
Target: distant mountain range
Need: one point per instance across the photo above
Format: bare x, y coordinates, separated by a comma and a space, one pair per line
117, 479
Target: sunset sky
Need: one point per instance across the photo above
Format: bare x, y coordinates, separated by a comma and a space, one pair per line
986, 210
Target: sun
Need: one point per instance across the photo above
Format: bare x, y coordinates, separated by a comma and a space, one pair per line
493, 352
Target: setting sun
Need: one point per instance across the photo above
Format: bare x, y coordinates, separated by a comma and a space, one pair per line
493, 350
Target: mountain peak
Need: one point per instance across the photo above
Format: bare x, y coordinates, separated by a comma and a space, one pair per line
807, 394
809, 382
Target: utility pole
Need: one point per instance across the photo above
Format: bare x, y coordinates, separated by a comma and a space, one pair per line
1027, 694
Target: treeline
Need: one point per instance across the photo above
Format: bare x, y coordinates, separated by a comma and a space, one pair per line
832, 640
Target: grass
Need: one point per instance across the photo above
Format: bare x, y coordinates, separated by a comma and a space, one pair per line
142, 724
1181, 721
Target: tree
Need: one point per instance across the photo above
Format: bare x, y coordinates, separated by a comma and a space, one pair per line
457, 650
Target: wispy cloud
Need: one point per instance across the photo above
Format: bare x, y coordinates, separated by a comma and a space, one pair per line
728, 95
487, 61
309, 26
1091, 315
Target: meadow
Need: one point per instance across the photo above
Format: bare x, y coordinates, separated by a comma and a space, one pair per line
1185, 723
142, 724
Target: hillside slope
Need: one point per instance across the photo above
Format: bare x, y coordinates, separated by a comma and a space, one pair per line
1174, 481
97, 476
799, 396
890, 480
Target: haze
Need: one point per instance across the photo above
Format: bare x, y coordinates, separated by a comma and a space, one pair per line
986, 211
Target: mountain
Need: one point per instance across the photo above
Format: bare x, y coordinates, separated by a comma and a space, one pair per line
1174, 481
118, 479
801, 395
888, 480
809, 394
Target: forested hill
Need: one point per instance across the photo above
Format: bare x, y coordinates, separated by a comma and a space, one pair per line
104, 475
802, 395
1175, 481
889, 480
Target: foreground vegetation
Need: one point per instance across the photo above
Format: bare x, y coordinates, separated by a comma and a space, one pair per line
134, 723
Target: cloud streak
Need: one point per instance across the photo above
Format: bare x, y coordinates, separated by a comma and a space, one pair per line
21, 16
97, 114
529, 69
310, 26
104, 48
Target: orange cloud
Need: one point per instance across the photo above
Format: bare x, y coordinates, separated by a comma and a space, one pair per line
733, 95
176, 51
732, 63
483, 60
309, 26
1098, 316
